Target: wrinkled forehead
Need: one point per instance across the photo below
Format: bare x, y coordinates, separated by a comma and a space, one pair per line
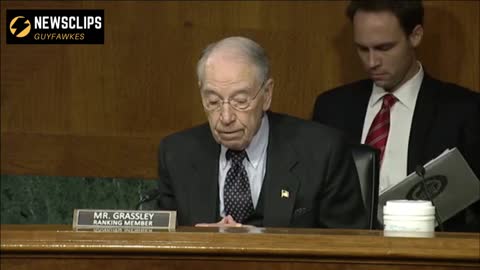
229, 71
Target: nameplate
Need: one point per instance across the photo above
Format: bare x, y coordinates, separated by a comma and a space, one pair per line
107, 218
124, 230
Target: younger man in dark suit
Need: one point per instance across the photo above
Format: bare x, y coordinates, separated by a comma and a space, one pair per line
250, 166
408, 115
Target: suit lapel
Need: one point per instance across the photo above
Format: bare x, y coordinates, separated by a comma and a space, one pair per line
358, 108
203, 195
281, 181
423, 116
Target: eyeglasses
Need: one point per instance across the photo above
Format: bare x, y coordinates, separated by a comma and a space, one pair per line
240, 102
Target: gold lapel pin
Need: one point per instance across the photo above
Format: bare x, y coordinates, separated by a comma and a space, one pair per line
284, 193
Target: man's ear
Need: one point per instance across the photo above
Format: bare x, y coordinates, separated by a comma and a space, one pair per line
267, 96
416, 36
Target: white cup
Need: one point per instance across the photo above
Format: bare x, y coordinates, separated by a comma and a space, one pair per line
409, 218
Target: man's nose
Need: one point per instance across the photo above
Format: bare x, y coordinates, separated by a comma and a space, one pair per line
227, 115
373, 59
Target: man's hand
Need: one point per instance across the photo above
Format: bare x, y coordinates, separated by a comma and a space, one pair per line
227, 221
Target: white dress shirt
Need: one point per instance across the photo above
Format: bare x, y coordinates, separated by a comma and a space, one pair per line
394, 166
255, 164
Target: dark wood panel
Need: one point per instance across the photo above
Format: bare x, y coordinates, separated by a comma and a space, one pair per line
142, 82
43, 246
25, 262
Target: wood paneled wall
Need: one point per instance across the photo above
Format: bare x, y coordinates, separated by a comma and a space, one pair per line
101, 110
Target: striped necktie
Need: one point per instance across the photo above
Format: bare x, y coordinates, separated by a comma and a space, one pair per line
378, 133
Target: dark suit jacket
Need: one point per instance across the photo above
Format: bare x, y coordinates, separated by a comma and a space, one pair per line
308, 159
446, 116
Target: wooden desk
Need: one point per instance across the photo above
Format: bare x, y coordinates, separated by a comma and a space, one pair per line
59, 247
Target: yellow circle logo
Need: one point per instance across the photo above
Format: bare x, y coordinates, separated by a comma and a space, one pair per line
20, 26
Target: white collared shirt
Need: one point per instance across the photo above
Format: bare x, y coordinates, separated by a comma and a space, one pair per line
255, 165
394, 166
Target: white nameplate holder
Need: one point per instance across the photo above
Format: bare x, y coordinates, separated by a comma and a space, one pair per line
124, 219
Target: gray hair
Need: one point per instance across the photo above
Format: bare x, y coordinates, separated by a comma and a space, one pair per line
245, 47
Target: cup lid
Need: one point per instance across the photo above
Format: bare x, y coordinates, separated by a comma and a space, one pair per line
409, 208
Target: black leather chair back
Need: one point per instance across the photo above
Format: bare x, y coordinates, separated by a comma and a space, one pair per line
367, 162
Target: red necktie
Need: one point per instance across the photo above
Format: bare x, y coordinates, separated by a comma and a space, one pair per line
378, 133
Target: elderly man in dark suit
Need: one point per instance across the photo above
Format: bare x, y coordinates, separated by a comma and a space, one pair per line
251, 166
401, 110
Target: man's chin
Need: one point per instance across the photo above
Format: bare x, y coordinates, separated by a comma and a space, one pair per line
382, 83
236, 144
233, 145
234, 141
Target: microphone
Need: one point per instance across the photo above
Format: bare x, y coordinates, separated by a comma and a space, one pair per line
148, 196
420, 171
